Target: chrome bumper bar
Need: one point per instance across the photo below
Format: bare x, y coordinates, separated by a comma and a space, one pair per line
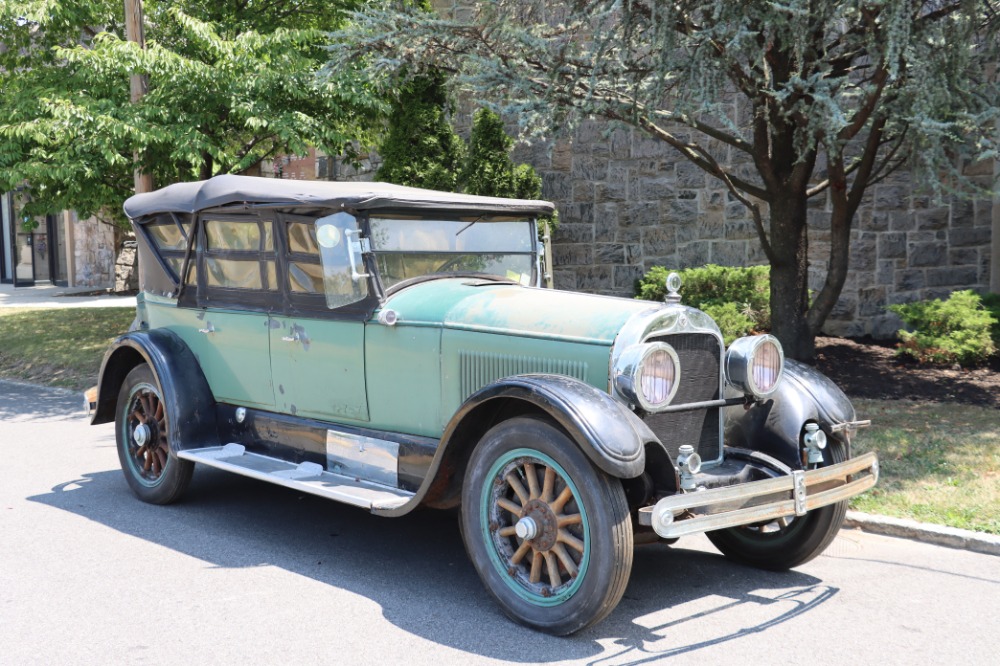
760, 501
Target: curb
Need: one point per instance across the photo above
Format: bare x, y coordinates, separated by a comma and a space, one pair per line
939, 535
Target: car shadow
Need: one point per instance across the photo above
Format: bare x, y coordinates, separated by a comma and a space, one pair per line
678, 600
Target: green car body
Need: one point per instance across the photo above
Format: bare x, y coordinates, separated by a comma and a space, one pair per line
393, 348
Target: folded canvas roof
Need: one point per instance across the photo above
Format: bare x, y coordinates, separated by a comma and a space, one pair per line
228, 190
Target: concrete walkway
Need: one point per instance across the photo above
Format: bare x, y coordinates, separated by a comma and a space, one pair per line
47, 296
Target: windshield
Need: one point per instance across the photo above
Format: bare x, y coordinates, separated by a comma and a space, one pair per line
410, 247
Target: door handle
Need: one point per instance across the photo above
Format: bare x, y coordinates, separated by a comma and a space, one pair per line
294, 337
209, 329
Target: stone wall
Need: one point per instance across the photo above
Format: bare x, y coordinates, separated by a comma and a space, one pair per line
93, 253
628, 202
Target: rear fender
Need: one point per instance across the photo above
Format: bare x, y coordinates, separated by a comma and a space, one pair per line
186, 394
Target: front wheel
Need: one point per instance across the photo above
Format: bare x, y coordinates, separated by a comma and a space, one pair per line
152, 471
549, 534
788, 542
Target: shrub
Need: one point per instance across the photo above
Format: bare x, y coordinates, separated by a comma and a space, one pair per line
956, 330
992, 304
738, 298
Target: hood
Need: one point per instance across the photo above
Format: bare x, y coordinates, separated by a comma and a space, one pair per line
509, 309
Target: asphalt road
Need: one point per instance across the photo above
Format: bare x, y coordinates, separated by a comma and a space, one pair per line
241, 572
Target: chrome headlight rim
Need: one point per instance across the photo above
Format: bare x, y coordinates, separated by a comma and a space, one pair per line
629, 372
739, 363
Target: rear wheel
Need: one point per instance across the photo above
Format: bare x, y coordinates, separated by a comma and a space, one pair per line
548, 533
789, 542
152, 471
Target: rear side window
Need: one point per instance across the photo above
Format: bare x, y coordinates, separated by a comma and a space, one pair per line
238, 254
170, 238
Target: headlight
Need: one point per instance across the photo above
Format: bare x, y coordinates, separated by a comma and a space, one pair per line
648, 375
754, 364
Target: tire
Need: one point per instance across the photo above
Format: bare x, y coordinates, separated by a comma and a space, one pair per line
778, 547
152, 471
573, 570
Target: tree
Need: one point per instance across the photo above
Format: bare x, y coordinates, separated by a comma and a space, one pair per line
489, 169
780, 101
226, 91
421, 149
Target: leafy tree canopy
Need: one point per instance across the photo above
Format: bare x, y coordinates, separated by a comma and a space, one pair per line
779, 101
229, 84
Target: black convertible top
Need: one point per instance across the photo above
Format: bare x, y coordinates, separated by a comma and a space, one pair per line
229, 189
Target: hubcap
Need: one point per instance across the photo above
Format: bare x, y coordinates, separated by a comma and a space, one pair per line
526, 529
141, 434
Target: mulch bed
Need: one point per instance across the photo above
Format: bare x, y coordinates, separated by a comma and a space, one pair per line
867, 368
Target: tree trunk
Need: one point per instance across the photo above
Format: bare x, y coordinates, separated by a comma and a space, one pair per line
790, 277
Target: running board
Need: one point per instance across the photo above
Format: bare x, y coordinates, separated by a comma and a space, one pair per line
307, 477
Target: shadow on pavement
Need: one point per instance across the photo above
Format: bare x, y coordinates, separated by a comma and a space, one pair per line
678, 600
24, 402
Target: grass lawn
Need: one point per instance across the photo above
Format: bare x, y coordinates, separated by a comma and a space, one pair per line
940, 463
58, 346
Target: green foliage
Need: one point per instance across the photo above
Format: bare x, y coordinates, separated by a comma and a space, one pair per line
992, 304
737, 298
421, 148
489, 169
956, 330
229, 85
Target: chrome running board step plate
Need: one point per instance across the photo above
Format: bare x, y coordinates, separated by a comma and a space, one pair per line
307, 477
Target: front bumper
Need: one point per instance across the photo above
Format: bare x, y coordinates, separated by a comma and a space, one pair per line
760, 501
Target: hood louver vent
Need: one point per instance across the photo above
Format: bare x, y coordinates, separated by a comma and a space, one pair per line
479, 368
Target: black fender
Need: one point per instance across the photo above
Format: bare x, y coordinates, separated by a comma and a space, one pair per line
611, 435
774, 426
186, 394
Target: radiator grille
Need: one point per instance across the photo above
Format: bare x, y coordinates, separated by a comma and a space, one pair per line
699, 355
481, 368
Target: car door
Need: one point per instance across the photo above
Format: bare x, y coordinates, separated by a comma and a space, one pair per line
228, 331
317, 345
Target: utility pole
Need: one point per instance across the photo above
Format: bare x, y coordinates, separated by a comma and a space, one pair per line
137, 83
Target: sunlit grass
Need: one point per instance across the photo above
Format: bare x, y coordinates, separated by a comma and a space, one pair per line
940, 463
60, 346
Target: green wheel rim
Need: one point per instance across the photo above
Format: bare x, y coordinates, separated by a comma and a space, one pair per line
148, 461
549, 568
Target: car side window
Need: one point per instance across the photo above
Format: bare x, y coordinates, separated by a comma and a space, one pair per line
238, 254
334, 237
318, 266
169, 236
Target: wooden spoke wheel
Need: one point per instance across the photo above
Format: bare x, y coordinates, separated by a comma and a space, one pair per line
153, 473
548, 532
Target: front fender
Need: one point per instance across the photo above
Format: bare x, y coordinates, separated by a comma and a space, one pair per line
189, 402
613, 437
774, 426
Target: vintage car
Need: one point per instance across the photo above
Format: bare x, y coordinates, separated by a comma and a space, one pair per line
392, 348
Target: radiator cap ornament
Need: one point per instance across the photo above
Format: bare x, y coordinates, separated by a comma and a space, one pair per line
673, 288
